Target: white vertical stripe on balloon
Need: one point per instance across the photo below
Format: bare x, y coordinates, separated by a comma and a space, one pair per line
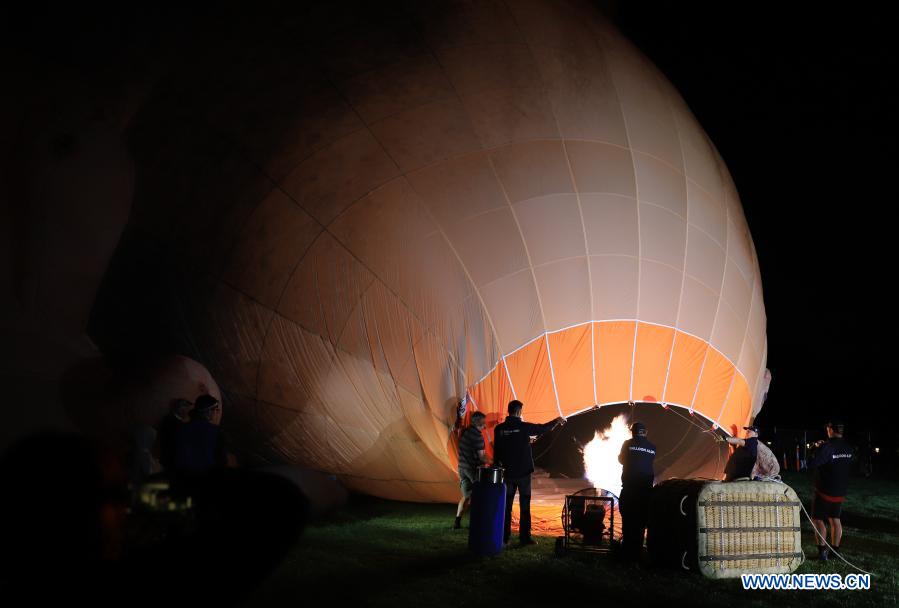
509, 377
743, 343
593, 355
683, 278
580, 210
726, 397
552, 374
630, 149
717, 307
630, 392
524, 242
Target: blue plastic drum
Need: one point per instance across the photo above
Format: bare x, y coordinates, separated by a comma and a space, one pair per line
488, 506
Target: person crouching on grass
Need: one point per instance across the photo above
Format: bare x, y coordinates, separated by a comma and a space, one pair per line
472, 455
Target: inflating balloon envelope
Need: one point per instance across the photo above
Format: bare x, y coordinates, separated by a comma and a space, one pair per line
491, 200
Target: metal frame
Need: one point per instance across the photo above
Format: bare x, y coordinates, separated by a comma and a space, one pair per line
566, 543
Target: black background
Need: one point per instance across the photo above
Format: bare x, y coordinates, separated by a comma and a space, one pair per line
801, 102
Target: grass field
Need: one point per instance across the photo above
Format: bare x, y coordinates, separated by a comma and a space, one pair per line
381, 553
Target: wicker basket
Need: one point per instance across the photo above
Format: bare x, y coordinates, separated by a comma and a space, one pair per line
725, 529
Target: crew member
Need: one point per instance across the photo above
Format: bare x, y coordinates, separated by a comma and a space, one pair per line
742, 461
832, 463
169, 428
512, 451
637, 456
201, 447
471, 456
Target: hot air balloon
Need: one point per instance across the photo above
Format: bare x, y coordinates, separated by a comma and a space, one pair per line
381, 212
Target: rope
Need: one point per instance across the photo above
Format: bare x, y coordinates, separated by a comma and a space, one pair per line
702, 429
557, 433
777, 479
683, 438
690, 421
835, 552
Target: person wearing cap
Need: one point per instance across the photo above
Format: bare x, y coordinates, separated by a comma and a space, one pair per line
169, 428
512, 451
200, 445
742, 461
831, 463
636, 457
471, 456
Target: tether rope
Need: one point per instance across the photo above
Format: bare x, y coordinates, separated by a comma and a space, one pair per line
817, 533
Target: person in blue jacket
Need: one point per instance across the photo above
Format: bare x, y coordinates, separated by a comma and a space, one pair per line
832, 464
637, 457
200, 446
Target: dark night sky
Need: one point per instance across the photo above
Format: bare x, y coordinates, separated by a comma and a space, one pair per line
802, 105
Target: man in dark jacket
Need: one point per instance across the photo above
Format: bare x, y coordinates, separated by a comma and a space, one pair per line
512, 451
832, 464
169, 428
637, 457
200, 446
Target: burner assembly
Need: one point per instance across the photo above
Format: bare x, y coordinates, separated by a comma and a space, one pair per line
588, 520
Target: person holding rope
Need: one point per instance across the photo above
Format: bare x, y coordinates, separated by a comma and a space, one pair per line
512, 451
832, 465
742, 461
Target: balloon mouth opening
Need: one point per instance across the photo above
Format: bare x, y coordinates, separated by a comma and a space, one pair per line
587, 447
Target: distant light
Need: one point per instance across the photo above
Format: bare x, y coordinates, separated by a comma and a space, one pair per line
808, 445
877, 450
769, 443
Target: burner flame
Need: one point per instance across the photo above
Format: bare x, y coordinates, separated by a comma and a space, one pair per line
601, 466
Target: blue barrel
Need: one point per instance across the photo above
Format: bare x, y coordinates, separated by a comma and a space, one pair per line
488, 509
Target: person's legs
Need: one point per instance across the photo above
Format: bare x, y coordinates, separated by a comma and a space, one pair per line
819, 514
510, 496
641, 514
822, 530
628, 520
460, 509
524, 502
836, 532
819, 540
466, 486
836, 526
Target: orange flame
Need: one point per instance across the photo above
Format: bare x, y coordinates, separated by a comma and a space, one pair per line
601, 466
